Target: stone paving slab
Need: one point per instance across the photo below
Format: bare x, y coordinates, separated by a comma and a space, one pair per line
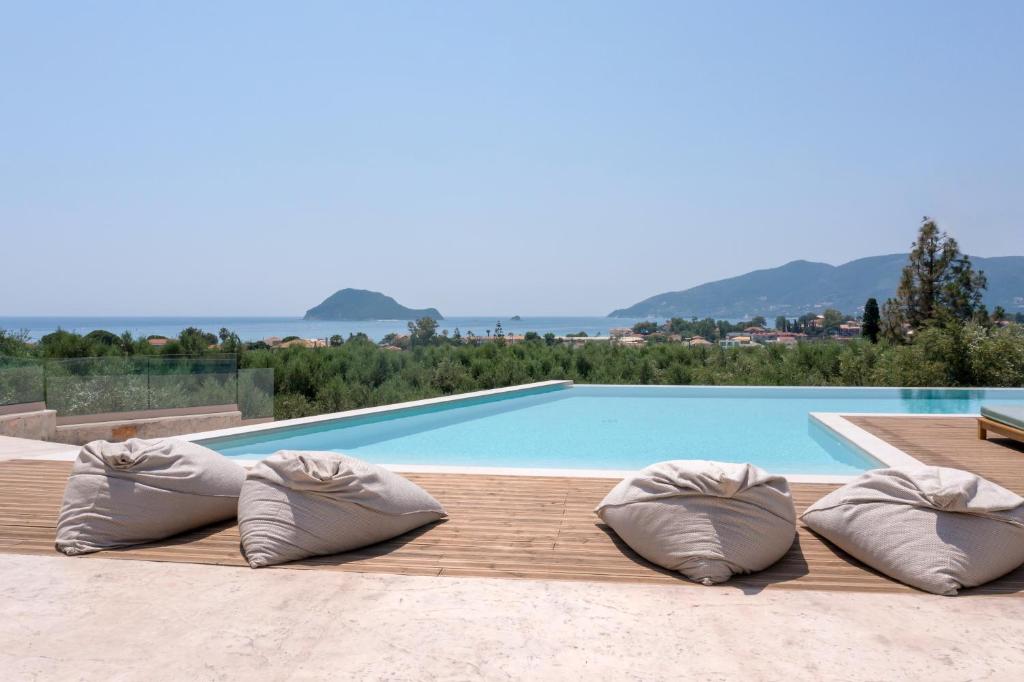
64, 618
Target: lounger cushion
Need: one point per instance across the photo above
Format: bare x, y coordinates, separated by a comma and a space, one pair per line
138, 491
934, 528
706, 520
300, 504
1011, 415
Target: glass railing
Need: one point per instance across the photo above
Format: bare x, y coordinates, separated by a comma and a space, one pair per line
86, 386
256, 393
21, 381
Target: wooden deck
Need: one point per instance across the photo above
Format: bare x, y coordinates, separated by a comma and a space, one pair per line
534, 527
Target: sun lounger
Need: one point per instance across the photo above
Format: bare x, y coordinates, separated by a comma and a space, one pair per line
1005, 420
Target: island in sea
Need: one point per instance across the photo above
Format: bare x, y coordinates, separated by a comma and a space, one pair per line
360, 304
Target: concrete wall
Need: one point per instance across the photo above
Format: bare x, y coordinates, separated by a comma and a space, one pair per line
157, 427
35, 425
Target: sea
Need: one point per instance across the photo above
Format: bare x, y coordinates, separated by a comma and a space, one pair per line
258, 328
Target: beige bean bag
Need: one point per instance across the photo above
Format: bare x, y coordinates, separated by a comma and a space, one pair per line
933, 528
706, 520
300, 504
122, 494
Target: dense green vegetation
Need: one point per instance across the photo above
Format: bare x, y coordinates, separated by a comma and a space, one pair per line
359, 374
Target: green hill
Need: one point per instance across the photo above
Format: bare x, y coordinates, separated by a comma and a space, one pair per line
802, 286
359, 304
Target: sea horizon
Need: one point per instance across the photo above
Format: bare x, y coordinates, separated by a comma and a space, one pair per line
256, 328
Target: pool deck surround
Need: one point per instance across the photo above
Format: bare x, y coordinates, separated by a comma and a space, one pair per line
542, 528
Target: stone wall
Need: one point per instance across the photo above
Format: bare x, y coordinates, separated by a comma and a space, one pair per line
35, 425
156, 427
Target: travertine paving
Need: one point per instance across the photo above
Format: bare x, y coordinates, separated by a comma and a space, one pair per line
64, 619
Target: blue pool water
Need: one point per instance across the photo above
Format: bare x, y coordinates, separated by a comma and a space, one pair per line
621, 427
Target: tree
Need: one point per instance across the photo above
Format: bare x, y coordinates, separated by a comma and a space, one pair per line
393, 339
422, 331
758, 321
127, 342
999, 314
103, 337
645, 328
14, 343
780, 323
961, 294
195, 341
891, 325
229, 341
336, 340
833, 318
872, 320
938, 283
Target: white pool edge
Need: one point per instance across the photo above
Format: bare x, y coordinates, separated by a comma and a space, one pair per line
867, 442
369, 411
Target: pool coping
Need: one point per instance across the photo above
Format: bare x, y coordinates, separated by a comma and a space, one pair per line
299, 422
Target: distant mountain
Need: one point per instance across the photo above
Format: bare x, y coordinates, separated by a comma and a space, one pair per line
802, 286
359, 304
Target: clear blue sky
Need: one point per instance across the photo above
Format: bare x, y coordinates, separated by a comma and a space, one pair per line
531, 158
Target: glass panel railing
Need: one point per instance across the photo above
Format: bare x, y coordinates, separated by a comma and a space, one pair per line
168, 391
256, 393
21, 381
81, 386
174, 364
97, 385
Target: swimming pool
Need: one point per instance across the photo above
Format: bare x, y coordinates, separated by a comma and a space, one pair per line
617, 427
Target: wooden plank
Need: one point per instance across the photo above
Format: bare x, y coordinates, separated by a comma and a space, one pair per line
534, 527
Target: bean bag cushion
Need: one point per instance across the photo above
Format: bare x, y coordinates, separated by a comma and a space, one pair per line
706, 520
934, 528
300, 504
138, 491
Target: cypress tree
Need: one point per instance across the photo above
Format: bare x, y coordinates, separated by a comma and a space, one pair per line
872, 320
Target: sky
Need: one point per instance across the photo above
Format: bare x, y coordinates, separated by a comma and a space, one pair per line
488, 158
